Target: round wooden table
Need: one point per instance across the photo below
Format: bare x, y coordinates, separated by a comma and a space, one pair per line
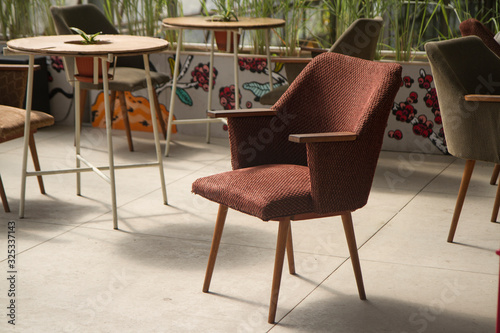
108, 47
208, 23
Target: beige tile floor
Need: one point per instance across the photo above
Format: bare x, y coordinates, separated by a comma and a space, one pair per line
77, 274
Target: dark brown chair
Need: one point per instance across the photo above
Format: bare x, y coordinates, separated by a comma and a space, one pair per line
313, 154
12, 117
466, 73
359, 40
129, 72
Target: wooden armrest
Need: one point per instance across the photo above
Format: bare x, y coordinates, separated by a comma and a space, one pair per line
291, 60
323, 137
313, 49
16, 67
257, 112
482, 98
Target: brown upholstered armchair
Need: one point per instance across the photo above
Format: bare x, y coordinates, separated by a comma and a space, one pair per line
467, 75
473, 27
129, 72
359, 40
313, 154
12, 117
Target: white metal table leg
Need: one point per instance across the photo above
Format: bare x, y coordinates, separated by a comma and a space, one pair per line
236, 81
27, 128
268, 53
108, 111
77, 131
210, 80
173, 94
155, 127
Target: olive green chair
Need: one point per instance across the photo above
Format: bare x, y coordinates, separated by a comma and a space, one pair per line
466, 74
359, 40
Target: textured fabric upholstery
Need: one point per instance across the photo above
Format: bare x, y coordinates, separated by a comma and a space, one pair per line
334, 93
473, 27
12, 122
12, 93
467, 66
359, 40
12, 86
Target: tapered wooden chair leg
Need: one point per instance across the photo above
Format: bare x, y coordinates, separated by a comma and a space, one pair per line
283, 234
219, 227
353, 251
496, 205
3, 196
289, 251
126, 123
36, 162
494, 175
464, 185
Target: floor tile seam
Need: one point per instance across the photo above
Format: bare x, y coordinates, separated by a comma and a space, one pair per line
166, 190
404, 206
222, 243
428, 267
310, 292
45, 241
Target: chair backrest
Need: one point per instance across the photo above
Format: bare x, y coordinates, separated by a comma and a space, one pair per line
13, 84
334, 93
464, 66
360, 39
90, 19
473, 27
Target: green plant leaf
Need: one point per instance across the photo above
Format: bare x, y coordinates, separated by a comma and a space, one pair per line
184, 96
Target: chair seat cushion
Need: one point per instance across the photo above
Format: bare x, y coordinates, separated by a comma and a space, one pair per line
266, 191
272, 97
129, 79
12, 122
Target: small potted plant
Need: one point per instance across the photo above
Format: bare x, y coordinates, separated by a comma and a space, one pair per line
85, 65
224, 12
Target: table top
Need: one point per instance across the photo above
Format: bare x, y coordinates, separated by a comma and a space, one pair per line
209, 23
71, 45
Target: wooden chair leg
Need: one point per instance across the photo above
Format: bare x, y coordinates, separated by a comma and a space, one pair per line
464, 185
494, 175
83, 100
123, 106
219, 227
353, 251
289, 252
3, 196
283, 234
36, 162
159, 115
496, 205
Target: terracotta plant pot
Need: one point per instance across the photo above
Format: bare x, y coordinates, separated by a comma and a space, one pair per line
221, 40
85, 66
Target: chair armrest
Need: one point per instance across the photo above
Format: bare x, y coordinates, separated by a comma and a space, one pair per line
15, 67
291, 60
257, 112
313, 49
482, 98
323, 137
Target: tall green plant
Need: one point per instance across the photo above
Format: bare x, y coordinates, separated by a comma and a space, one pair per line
141, 17
23, 18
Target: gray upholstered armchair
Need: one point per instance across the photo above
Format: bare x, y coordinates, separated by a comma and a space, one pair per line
467, 77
